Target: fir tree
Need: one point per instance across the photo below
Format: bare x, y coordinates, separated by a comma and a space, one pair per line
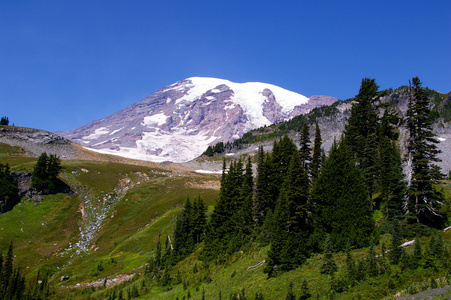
417, 254
278, 168
292, 221
305, 293
316, 158
262, 194
329, 266
341, 203
45, 172
8, 189
351, 267
290, 294
424, 200
305, 149
361, 131
372, 262
395, 243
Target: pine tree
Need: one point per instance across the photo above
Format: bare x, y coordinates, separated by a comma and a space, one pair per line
8, 189
424, 200
262, 194
290, 293
316, 158
417, 254
7, 269
305, 149
329, 266
305, 293
278, 167
292, 221
45, 172
342, 208
395, 243
361, 131
372, 262
351, 267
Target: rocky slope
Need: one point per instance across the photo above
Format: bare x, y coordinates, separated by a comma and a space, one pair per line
178, 122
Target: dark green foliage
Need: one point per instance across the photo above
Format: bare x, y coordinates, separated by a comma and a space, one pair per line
45, 173
305, 149
292, 221
424, 200
305, 293
361, 131
290, 293
404, 260
395, 243
383, 267
231, 222
262, 193
8, 189
417, 254
259, 296
278, 168
371, 262
4, 121
351, 267
329, 266
342, 208
316, 156
188, 231
13, 285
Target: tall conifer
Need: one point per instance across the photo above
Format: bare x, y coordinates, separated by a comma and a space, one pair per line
341, 203
316, 157
424, 200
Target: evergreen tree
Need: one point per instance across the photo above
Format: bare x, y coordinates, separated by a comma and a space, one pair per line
424, 200
262, 193
361, 131
329, 266
45, 172
292, 220
395, 243
341, 206
305, 149
278, 167
383, 268
351, 267
8, 189
290, 293
372, 262
7, 269
417, 254
4, 121
305, 293
391, 178
316, 158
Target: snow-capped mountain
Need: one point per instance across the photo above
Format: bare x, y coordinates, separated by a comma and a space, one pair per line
178, 122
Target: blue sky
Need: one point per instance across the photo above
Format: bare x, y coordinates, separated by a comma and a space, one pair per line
64, 64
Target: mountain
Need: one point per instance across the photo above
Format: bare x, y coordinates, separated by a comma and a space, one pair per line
333, 118
178, 122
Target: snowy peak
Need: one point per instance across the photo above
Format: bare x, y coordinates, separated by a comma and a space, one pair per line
179, 121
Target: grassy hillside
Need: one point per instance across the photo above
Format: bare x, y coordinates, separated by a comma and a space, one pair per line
112, 218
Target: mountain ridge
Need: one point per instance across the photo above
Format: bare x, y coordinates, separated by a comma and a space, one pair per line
179, 121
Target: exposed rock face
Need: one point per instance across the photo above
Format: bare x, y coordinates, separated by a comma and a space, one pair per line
34, 142
178, 122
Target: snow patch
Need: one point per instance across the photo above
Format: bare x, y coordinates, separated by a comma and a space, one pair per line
97, 133
155, 120
117, 130
208, 172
